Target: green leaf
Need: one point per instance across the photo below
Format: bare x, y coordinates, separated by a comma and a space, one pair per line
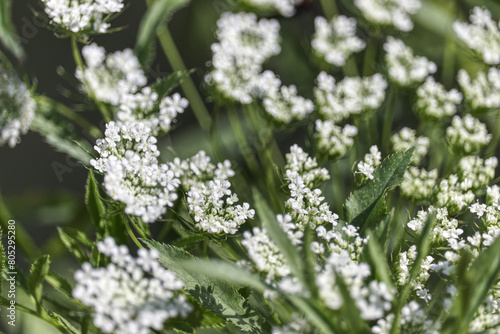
8, 35
38, 272
153, 18
62, 323
61, 134
365, 207
208, 283
165, 85
473, 288
376, 256
349, 309
279, 237
72, 246
93, 201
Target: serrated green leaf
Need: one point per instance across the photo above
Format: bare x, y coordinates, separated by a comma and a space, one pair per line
63, 323
72, 246
153, 18
188, 240
364, 207
38, 272
165, 85
475, 284
93, 201
59, 283
61, 135
8, 35
209, 285
279, 237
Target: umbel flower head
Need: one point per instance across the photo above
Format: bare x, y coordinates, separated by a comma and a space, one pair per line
404, 67
110, 77
17, 108
336, 40
483, 92
332, 141
434, 102
467, 135
284, 105
405, 139
389, 12
482, 35
284, 7
130, 295
88, 16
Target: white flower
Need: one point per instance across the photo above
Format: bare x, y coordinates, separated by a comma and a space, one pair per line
482, 36
82, 15
284, 7
467, 135
130, 295
17, 108
407, 138
389, 12
285, 106
371, 161
418, 184
336, 40
333, 141
482, 92
404, 67
434, 102
110, 78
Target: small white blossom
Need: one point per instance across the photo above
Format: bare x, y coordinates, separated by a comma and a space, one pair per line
285, 106
467, 135
405, 68
284, 7
483, 92
482, 35
333, 141
418, 184
407, 138
389, 12
17, 108
434, 102
336, 40
371, 161
130, 295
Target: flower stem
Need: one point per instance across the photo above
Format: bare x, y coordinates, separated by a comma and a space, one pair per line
130, 232
389, 114
241, 139
329, 8
174, 58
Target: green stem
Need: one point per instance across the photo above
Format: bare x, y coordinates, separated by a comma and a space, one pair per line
329, 8
449, 53
271, 311
130, 232
79, 63
338, 186
213, 133
370, 59
495, 138
241, 139
71, 115
187, 85
389, 114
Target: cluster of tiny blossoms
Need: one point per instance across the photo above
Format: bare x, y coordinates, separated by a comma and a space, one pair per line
407, 138
17, 108
132, 173
336, 40
482, 36
483, 92
284, 7
418, 184
130, 295
467, 135
210, 200
404, 67
367, 167
82, 15
434, 102
389, 12
331, 140
351, 96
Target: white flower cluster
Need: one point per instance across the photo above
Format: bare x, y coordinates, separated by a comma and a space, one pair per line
265, 254
418, 184
332, 141
244, 44
405, 263
110, 77
336, 40
82, 15
389, 12
132, 173
285, 106
284, 7
351, 96
413, 320
210, 200
146, 107
17, 108
372, 299
476, 171
405, 68
483, 92
407, 138
455, 194
130, 295
482, 36
467, 135
487, 317
371, 161
434, 102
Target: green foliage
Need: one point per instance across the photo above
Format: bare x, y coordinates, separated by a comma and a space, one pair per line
154, 17
165, 85
95, 205
8, 35
366, 205
208, 283
38, 272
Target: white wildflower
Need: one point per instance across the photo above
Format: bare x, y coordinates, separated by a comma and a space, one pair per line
483, 92
434, 102
407, 138
285, 106
284, 7
389, 12
333, 141
467, 135
418, 184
